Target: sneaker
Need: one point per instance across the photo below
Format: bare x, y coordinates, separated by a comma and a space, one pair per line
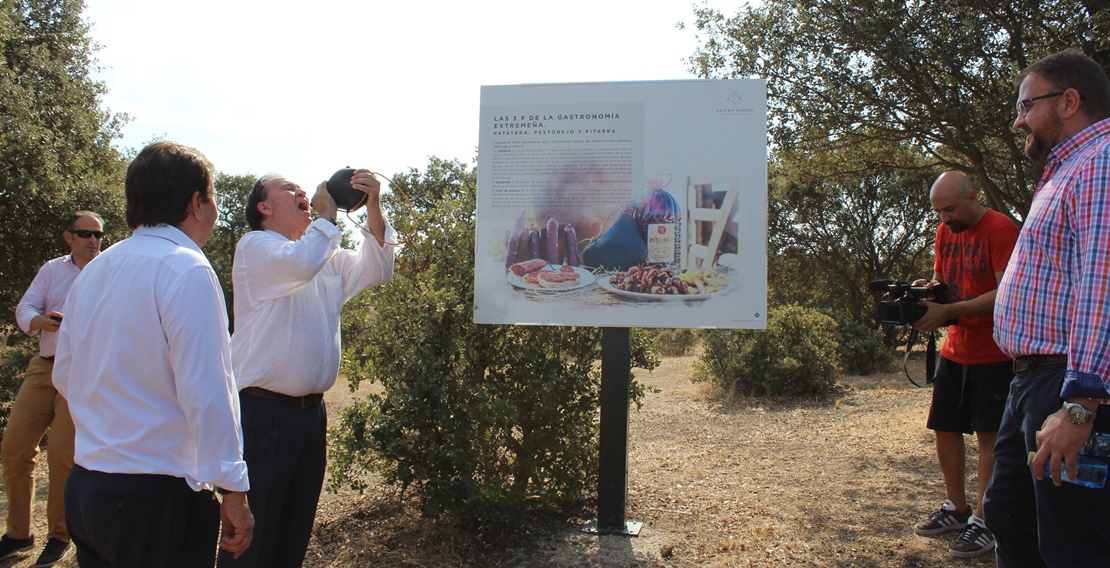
55, 550
942, 521
10, 546
975, 540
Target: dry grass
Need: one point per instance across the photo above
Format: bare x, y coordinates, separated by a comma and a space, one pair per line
836, 482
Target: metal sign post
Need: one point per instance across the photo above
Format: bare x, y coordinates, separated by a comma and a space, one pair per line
612, 479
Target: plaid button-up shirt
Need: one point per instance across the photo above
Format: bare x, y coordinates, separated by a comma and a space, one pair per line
1055, 295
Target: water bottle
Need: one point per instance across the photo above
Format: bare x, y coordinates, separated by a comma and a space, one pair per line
1097, 445
1089, 472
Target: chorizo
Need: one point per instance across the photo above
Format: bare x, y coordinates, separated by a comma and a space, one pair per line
522, 268
572, 245
552, 240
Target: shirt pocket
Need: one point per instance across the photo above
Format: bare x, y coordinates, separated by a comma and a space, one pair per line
332, 291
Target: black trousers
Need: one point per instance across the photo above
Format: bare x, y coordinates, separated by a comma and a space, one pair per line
1036, 523
129, 520
285, 447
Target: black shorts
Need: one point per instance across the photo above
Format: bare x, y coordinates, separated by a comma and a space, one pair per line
969, 398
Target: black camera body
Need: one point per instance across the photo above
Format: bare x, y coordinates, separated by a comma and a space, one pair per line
900, 303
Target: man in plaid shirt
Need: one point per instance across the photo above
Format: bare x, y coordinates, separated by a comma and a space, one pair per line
1052, 314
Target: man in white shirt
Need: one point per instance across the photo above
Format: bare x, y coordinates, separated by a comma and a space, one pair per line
38, 405
144, 360
291, 279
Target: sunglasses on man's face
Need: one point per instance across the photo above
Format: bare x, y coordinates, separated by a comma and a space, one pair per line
84, 234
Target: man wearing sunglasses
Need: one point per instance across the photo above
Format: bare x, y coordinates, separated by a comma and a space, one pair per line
1052, 315
38, 405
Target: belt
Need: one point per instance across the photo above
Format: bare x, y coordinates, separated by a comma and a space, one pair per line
306, 401
50, 358
1029, 362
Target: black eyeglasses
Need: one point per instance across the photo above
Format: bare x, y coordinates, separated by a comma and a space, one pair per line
84, 234
1023, 106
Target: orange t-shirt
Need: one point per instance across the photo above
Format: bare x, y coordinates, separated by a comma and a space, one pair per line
966, 262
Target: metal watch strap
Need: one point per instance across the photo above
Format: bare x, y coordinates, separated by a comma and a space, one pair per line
1078, 411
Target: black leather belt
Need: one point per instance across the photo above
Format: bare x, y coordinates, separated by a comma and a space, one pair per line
1029, 362
306, 401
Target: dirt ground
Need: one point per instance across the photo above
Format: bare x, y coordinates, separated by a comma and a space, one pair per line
753, 482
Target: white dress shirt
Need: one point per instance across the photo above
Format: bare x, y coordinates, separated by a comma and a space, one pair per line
145, 363
47, 293
288, 298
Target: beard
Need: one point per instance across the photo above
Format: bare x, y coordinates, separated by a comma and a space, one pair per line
957, 226
1038, 144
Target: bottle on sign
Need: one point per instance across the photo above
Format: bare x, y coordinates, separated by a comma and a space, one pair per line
659, 221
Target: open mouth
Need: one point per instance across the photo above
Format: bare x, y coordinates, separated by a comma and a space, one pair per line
303, 206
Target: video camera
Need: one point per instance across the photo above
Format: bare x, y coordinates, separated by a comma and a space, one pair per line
899, 305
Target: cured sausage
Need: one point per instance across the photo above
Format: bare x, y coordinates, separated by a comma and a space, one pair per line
533, 243
522, 268
572, 245
552, 241
513, 244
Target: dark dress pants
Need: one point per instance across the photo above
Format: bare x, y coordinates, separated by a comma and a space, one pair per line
1036, 523
137, 521
285, 448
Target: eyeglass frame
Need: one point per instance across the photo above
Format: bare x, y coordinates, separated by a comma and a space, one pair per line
1023, 105
85, 233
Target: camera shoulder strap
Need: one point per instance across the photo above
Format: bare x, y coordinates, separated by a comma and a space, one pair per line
930, 357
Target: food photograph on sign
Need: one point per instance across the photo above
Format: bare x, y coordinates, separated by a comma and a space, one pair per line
624, 204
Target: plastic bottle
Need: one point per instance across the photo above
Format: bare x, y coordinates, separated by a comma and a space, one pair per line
1097, 445
1089, 472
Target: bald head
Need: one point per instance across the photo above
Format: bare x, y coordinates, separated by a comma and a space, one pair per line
955, 200
951, 184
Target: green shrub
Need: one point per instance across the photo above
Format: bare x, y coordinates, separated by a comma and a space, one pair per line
674, 342
14, 358
862, 350
795, 355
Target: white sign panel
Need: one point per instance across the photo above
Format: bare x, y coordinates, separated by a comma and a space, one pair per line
623, 205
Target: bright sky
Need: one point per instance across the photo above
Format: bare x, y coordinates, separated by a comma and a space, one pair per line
307, 88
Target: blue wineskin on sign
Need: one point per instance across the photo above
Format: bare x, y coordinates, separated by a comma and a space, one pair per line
619, 248
345, 196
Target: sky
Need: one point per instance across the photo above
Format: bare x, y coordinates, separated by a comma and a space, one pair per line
306, 88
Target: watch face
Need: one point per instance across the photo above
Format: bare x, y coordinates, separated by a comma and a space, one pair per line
1079, 415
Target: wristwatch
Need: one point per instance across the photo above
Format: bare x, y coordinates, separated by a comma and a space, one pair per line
1077, 414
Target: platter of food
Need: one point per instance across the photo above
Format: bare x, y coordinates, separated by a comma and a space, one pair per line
658, 283
548, 277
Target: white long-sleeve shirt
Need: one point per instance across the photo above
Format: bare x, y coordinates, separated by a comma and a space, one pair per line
47, 293
288, 299
144, 361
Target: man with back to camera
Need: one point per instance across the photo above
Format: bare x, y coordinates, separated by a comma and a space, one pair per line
144, 360
973, 245
1052, 315
291, 279
38, 405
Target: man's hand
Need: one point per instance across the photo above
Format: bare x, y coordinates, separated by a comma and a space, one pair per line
323, 203
1059, 440
367, 183
49, 321
936, 316
237, 525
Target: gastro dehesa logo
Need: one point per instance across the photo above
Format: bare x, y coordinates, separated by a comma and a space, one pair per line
735, 105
